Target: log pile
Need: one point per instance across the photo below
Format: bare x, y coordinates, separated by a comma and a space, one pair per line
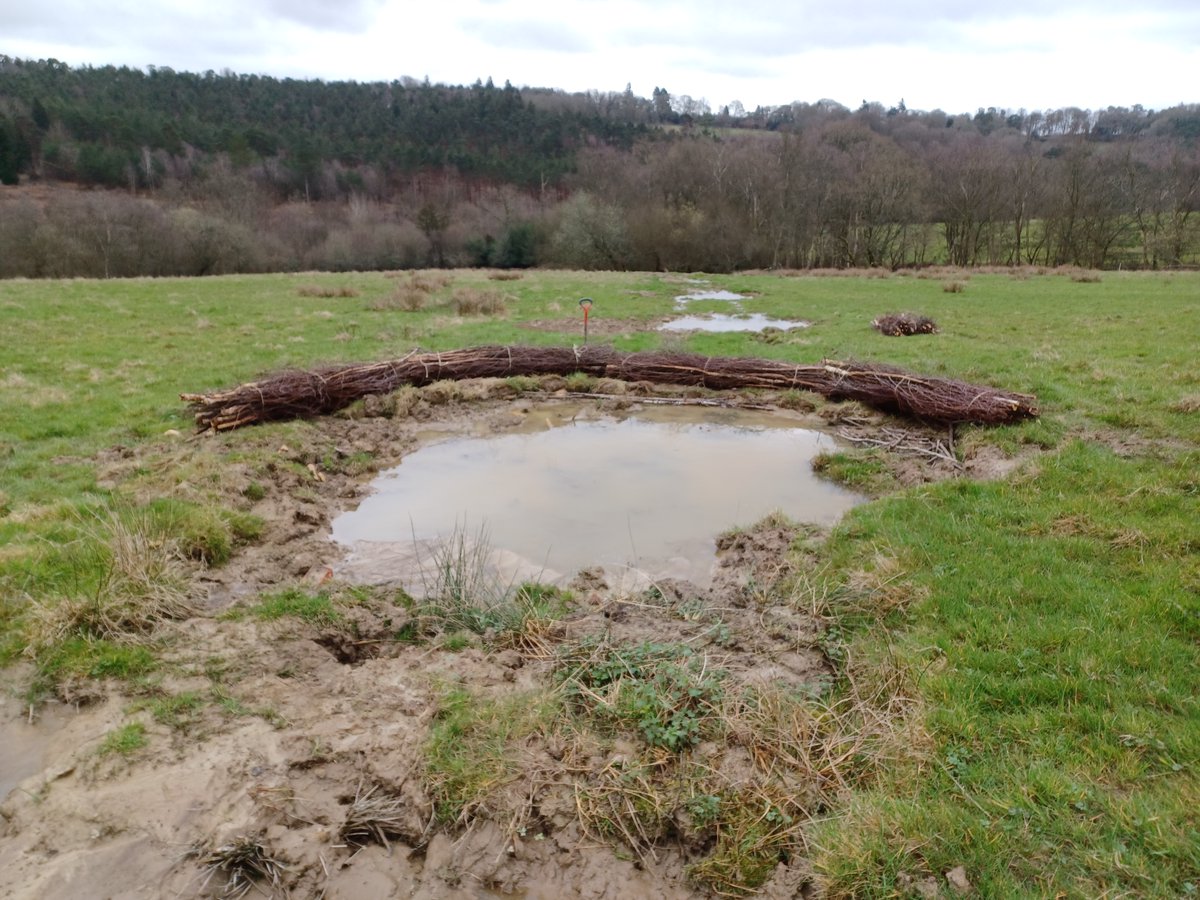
897, 324
304, 394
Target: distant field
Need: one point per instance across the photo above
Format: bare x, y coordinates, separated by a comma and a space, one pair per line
1047, 626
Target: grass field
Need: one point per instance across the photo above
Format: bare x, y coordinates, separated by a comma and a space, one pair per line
1049, 624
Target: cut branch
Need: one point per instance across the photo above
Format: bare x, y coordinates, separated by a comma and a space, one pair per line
304, 394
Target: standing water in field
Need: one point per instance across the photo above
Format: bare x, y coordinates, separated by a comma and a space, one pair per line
722, 323
646, 492
683, 300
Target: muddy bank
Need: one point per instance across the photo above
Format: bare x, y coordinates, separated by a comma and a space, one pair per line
298, 721
288, 729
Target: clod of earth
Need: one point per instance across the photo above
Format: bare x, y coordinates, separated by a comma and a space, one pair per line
303, 394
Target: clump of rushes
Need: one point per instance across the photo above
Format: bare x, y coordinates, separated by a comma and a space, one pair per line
463, 593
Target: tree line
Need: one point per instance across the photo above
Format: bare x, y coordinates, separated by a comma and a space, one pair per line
120, 171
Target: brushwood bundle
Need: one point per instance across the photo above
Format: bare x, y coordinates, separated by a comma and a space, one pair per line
898, 324
305, 394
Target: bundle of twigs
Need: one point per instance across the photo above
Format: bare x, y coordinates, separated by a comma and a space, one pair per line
299, 394
896, 324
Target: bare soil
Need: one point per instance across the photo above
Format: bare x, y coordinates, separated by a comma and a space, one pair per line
298, 719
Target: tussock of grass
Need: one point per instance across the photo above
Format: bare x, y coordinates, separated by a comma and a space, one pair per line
130, 582
406, 297
204, 533
479, 302
317, 290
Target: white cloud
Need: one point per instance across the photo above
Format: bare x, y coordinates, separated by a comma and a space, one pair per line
1020, 53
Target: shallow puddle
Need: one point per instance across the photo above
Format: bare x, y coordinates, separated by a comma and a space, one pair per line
683, 300
646, 492
25, 743
720, 322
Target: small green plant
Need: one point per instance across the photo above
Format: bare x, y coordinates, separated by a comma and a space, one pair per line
178, 712
704, 808
455, 641
124, 741
255, 491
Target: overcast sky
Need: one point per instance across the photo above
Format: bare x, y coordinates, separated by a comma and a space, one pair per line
955, 56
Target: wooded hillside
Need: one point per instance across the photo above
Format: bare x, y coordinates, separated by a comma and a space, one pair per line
120, 171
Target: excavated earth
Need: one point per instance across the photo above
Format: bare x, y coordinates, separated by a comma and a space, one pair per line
311, 715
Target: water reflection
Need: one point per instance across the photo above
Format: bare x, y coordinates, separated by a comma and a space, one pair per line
649, 490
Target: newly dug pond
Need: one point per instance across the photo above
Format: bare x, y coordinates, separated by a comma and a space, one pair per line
489, 642
615, 620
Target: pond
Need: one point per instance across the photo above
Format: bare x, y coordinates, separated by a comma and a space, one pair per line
647, 491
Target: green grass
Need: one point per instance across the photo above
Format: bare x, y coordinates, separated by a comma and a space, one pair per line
83, 657
471, 751
124, 741
293, 602
177, 711
1050, 622
860, 470
1058, 637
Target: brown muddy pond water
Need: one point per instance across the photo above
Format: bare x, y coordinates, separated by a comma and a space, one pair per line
642, 494
24, 744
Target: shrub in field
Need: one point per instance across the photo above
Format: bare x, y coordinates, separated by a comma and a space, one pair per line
476, 302
316, 290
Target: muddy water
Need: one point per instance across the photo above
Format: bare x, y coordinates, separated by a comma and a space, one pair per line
720, 322
646, 492
25, 744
